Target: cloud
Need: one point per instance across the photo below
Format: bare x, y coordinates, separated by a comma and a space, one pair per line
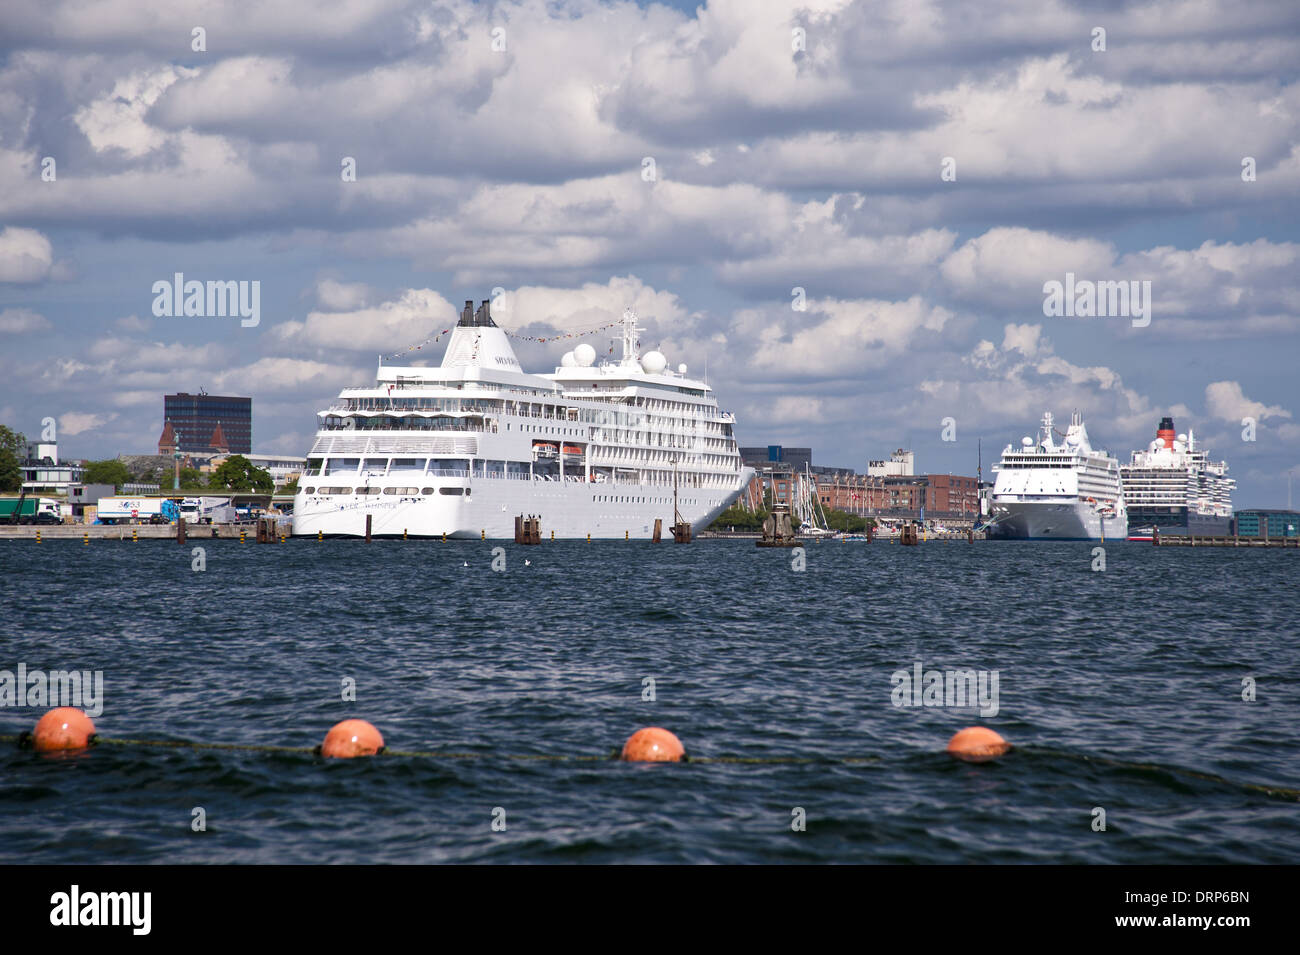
78, 422
418, 314
1226, 401
20, 321
336, 296
25, 255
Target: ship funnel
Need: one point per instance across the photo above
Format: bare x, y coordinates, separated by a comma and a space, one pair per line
467, 314
1165, 434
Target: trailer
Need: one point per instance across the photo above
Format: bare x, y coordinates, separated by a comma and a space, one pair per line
207, 510
121, 509
29, 510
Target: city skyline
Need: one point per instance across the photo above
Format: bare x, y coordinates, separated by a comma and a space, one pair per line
873, 225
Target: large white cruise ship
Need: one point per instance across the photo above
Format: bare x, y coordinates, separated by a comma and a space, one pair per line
1175, 486
1047, 490
463, 448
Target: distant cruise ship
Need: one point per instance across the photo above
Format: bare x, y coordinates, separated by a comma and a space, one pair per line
1050, 491
464, 448
1174, 486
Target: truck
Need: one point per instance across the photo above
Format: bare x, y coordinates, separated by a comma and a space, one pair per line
207, 510
29, 510
121, 509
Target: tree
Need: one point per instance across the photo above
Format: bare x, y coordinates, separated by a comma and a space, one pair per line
290, 488
11, 473
191, 480
13, 450
237, 473
111, 471
15, 442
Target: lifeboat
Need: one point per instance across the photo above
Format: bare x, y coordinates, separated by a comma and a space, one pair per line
573, 449
544, 449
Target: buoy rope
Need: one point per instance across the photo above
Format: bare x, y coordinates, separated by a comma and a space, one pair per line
1276, 792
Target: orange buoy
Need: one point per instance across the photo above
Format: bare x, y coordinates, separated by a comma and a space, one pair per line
653, 745
977, 744
63, 728
352, 738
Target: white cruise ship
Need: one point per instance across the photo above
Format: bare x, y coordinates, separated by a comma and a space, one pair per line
1047, 490
1176, 487
463, 448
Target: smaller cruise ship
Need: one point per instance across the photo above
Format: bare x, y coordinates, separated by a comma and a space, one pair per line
1050, 490
1174, 486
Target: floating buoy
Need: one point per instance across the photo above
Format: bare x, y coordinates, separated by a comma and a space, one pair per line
63, 728
977, 744
352, 738
653, 745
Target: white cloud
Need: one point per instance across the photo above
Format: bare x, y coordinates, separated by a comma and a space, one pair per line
77, 422
25, 255
20, 321
1226, 401
418, 314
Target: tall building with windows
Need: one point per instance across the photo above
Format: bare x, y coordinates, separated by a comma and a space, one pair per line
191, 423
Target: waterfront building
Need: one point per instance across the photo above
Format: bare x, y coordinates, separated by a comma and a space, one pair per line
192, 423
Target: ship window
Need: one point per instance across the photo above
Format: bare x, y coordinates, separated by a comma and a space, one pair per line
402, 490
451, 490
310, 490
366, 491
336, 490
426, 490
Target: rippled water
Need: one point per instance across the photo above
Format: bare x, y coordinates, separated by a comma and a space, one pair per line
1121, 689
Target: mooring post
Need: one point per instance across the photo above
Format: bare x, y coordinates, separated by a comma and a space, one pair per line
368, 518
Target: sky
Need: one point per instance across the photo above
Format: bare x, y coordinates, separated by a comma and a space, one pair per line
848, 214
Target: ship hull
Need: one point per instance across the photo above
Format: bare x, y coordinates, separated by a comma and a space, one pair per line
1180, 522
1048, 521
569, 510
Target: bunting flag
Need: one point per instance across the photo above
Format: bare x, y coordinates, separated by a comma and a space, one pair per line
433, 340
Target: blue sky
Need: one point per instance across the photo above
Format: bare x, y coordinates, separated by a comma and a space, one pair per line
782, 159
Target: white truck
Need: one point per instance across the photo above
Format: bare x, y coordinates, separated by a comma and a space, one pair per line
207, 510
121, 509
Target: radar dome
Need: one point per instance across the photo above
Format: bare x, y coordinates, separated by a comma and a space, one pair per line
654, 362
568, 361
1027, 441
584, 355
681, 369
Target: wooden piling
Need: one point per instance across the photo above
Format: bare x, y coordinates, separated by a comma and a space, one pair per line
368, 519
180, 530
659, 526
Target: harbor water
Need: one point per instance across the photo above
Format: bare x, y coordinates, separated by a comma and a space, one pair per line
1121, 690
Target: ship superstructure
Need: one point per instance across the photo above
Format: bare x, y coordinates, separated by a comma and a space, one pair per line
463, 448
1174, 485
1058, 490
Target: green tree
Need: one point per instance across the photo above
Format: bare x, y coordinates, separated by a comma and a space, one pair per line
290, 488
237, 473
191, 480
111, 471
13, 451
15, 442
11, 474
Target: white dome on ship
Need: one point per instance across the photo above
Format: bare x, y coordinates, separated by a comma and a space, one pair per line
1182, 438
568, 361
654, 362
1027, 441
681, 369
584, 355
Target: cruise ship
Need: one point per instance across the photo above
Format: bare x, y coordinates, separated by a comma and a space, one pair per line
1174, 486
463, 448
1049, 490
